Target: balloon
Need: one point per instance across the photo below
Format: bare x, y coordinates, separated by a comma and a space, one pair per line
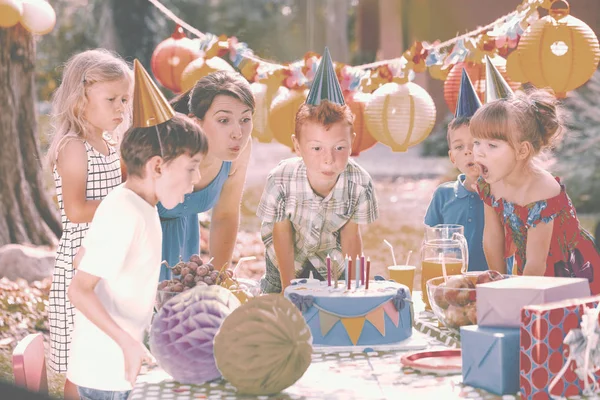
10, 12
38, 17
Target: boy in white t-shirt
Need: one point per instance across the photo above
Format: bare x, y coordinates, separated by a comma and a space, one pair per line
116, 280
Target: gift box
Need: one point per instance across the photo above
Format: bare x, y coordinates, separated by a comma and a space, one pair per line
544, 357
490, 358
499, 303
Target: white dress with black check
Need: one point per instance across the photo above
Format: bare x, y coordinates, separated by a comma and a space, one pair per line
104, 174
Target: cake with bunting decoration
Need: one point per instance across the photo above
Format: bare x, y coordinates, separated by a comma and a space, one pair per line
381, 314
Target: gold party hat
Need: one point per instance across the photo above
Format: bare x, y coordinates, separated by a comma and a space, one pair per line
150, 107
495, 85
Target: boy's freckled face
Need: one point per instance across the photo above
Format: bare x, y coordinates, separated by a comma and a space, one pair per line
461, 151
325, 151
177, 179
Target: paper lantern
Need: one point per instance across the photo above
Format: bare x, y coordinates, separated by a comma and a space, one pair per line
10, 12
282, 115
400, 115
513, 68
199, 68
363, 140
438, 72
558, 51
183, 330
264, 346
38, 16
476, 72
262, 99
170, 58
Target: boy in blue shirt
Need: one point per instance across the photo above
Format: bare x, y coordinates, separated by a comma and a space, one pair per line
456, 202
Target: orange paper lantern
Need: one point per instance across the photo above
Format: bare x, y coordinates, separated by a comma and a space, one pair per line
357, 102
170, 58
282, 114
263, 97
199, 68
476, 72
400, 115
558, 51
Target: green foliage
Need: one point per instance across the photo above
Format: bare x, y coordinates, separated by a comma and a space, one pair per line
579, 154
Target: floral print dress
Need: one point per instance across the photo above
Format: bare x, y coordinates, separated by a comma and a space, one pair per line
573, 252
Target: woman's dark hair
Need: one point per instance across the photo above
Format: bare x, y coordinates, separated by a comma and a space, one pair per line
198, 99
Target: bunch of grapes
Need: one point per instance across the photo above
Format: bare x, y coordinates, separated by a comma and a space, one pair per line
193, 273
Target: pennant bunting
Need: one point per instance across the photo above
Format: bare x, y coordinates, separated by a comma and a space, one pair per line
376, 317
354, 327
391, 312
327, 321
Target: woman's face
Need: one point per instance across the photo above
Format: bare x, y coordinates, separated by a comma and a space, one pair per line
227, 125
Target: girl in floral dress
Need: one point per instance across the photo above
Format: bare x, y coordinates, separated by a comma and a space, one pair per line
527, 211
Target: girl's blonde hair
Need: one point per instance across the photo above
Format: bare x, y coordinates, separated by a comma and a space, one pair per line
535, 118
69, 100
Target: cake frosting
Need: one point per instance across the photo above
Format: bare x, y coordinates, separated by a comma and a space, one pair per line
382, 314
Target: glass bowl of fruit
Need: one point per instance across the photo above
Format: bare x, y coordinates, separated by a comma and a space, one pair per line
453, 301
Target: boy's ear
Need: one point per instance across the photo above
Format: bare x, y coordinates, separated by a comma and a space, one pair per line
154, 167
524, 150
451, 156
296, 144
353, 137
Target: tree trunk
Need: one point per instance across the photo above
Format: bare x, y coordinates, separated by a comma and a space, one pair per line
26, 213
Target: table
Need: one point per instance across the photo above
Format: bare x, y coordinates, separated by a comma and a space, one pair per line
340, 375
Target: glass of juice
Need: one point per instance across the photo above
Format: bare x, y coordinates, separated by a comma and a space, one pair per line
438, 252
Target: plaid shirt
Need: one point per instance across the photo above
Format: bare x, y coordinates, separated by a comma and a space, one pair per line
316, 221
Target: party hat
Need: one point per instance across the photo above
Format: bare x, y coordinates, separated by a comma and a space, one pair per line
467, 102
325, 86
495, 85
150, 107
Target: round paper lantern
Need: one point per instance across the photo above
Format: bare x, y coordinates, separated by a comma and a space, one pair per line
282, 115
199, 68
264, 346
38, 16
183, 330
260, 119
476, 72
513, 68
10, 12
400, 115
170, 58
363, 139
558, 51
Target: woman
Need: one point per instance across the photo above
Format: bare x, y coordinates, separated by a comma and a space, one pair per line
222, 104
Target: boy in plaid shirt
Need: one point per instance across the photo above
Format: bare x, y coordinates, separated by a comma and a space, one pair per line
312, 206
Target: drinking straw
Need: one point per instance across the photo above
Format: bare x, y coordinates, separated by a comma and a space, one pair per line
443, 261
392, 249
408, 257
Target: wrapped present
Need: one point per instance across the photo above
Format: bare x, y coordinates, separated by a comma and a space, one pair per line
499, 303
556, 340
490, 358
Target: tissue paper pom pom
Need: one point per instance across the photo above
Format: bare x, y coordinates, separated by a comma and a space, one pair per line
182, 332
264, 346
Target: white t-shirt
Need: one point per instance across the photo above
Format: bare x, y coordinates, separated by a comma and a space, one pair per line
123, 248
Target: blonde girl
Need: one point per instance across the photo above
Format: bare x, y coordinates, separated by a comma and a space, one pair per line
90, 104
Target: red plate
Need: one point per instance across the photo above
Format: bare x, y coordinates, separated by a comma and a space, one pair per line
436, 362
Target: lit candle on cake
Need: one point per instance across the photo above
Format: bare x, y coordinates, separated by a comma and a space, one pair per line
362, 269
368, 276
328, 261
357, 271
349, 272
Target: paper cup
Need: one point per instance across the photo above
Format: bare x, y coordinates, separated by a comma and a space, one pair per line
403, 274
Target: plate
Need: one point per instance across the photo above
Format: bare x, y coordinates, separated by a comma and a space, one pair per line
441, 362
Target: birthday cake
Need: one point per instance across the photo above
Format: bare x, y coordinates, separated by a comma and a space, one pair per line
381, 314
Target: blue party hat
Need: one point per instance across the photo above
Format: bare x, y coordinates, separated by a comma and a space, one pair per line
468, 102
325, 86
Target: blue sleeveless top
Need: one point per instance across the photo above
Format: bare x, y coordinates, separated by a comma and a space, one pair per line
181, 231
